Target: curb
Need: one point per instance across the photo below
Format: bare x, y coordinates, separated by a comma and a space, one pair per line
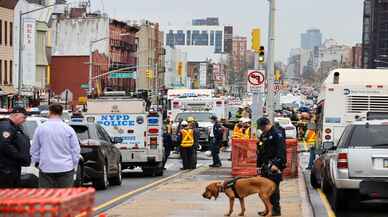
98, 210
307, 208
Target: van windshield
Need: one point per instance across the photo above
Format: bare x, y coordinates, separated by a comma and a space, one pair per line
372, 135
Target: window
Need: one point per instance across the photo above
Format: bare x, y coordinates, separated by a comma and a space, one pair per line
1, 32
5, 33
188, 37
212, 38
6, 81
369, 135
10, 34
1, 71
5, 71
82, 132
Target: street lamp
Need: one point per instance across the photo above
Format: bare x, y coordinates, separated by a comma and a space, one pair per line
21, 14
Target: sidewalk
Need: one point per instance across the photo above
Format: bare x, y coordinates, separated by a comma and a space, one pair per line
182, 197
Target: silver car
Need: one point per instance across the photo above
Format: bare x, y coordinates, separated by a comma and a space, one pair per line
357, 168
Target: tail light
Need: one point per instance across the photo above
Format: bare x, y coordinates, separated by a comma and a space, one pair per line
380, 86
328, 130
219, 103
153, 130
342, 161
368, 86
153, 142
327, 137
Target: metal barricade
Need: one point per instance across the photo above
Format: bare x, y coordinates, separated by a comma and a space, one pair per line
244, 157
66, 202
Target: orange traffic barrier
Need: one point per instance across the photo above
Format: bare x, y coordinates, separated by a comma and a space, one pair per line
291, 170
244, 157
65, 202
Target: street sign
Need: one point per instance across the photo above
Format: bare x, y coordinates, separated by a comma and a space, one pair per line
277, 87
123, 75
85, 86
256, 81
255, 78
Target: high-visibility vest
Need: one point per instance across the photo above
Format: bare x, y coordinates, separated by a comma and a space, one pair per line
237, 133
247, 133
311, 137
187, 138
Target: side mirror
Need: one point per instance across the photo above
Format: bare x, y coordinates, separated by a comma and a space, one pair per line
117, 140
328, 146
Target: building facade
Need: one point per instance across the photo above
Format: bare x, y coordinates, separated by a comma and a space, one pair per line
239, 54
205, 39
150, 56
113, 46
375, 37
311, 38
6, 51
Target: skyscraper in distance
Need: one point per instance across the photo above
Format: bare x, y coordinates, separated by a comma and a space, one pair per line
311, 38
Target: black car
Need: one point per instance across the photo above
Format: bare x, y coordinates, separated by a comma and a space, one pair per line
101, 158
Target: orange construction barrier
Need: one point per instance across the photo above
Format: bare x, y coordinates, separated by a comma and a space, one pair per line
244, 157
291, 170
65, 202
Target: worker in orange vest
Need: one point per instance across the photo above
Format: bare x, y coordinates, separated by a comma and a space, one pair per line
237, 131
311, 140
246, 130
186, 138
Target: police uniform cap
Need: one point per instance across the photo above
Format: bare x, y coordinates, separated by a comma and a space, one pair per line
18, 109
263, 122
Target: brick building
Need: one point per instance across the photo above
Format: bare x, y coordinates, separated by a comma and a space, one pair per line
113, 44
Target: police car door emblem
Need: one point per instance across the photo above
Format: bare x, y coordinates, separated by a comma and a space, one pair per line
6, 134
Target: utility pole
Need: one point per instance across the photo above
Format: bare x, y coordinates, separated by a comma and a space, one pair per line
270, 62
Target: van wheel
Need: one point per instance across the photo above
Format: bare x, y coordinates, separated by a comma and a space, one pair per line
159, 170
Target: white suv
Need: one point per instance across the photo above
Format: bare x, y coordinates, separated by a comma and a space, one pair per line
357, 168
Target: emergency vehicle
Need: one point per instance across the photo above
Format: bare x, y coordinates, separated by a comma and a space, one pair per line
348, 95
181, 100
140, 130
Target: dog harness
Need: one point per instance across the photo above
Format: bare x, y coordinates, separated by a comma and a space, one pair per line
232, 184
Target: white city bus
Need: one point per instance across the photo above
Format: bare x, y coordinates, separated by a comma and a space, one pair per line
347, 95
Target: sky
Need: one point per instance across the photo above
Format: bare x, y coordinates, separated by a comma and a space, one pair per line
337, 19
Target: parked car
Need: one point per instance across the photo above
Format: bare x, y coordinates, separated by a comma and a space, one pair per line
287, 125
29, 175
102, 159
356, 169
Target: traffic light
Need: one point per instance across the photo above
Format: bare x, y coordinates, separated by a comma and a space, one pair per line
256, 39
278, 75
180, 69
261, 55
149, 74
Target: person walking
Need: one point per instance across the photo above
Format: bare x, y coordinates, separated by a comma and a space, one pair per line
216, 140
271, 158
167, 141
56, 149
186, 138
14, 148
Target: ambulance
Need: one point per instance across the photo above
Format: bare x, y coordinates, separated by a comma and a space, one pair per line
183, 100
348, 95
140, 130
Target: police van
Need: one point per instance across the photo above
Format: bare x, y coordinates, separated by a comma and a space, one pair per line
140, 131
348, 95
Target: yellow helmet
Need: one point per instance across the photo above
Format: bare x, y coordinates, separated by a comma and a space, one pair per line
190, 119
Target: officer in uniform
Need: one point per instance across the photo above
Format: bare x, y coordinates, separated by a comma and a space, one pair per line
271, 158
14, 148
186, 138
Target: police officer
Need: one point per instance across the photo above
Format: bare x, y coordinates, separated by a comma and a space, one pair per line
193, 124
216, 140
271, 158
14, 148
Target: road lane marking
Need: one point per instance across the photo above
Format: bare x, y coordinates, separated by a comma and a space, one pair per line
131, 193
330, 212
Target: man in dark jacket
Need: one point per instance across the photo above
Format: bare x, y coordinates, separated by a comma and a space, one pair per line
216, 133
14, 148
271, 158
